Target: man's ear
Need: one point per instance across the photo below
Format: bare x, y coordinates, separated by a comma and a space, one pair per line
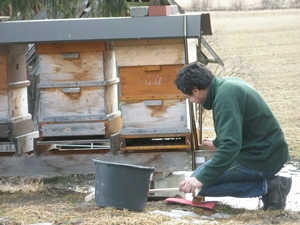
195, 91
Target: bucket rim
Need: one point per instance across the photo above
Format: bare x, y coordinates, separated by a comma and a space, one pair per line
124, 164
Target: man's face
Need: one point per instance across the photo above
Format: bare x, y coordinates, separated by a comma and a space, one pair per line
198, 96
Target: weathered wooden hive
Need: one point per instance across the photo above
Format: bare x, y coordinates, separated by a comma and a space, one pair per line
15, 121
154, 112
78, 91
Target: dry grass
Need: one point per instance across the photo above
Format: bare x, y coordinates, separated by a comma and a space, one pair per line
45, 203
21, 184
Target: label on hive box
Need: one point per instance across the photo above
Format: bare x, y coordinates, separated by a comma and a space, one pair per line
199, 160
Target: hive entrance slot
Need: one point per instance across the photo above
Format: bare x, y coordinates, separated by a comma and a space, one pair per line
154, 143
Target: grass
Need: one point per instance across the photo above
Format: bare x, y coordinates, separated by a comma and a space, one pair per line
32, 201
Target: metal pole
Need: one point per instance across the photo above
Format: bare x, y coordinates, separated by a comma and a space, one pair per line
190, 106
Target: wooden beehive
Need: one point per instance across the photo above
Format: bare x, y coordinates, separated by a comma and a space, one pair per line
14, 117
78, 91
154, 111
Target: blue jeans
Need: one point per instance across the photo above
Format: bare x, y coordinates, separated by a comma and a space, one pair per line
238, 181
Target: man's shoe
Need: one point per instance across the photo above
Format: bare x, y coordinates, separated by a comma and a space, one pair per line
278, 188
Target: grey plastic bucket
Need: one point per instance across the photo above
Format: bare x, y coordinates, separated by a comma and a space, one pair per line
122, 185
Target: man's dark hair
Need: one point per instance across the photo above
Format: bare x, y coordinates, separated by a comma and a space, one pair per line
194, 75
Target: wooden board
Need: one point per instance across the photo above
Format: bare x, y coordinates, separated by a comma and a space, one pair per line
11, 130
148, 42
170, 115
55, 68
154, 52
3, 70
4, 112
12, 64
83, 163
113, 126
16, 68
150, 55
18, 49
82, 127
18, 103
14, 49
146, 82
72, 129
14, 105
109, 63
51, 48
84, 101
21, 128
111, 99
24, 143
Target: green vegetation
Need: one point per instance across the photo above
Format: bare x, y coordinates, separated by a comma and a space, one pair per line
58, 9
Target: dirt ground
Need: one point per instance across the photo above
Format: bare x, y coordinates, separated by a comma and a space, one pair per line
263, 47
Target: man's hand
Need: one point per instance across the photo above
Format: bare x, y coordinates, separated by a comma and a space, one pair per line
190, 185
208, 144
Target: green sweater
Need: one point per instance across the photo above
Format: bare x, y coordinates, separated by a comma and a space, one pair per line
246, 130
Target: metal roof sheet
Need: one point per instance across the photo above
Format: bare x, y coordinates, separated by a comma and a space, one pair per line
104, 29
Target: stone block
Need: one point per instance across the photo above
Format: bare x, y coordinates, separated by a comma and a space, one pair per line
174, 9
139, 11
161, 10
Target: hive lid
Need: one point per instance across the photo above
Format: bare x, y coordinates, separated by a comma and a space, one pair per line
104, 29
